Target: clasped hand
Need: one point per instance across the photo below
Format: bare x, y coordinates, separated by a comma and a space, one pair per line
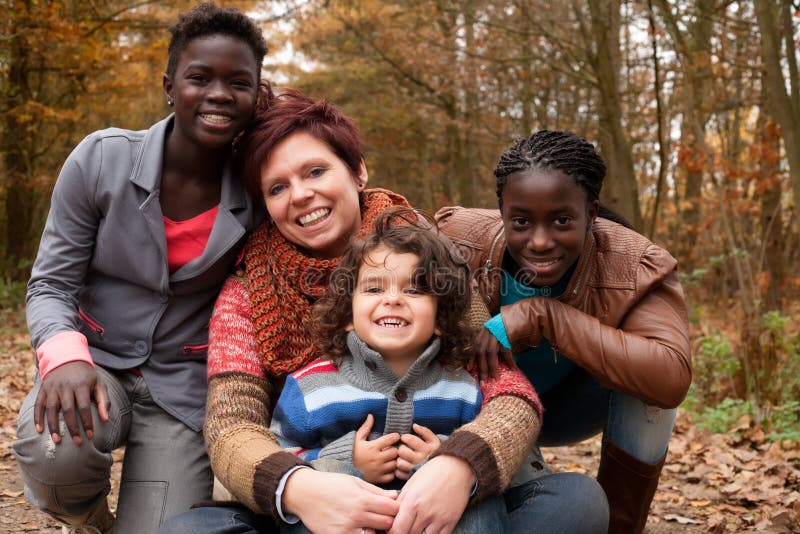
393, 455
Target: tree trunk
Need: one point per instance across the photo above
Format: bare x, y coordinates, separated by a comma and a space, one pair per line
620, 191
20, 199
788, 117
694, 47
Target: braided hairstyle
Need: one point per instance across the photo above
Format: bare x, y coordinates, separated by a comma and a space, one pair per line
209, 19
549, 150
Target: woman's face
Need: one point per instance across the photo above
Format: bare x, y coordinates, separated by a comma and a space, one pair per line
214, 90
546, 216
312, 195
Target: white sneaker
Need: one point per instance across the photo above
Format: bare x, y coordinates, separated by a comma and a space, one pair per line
98, 521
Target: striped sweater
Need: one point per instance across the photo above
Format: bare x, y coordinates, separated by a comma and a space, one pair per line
321, 405
247, 458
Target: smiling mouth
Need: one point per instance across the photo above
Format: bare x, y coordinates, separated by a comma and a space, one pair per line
215, 119
392, 322
542, 264
314, 217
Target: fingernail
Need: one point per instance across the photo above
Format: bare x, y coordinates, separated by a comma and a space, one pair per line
39, 428
89, 434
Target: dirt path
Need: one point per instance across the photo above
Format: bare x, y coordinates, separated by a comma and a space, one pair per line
738, 482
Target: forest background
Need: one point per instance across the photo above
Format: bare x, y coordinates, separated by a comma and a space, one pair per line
694, 104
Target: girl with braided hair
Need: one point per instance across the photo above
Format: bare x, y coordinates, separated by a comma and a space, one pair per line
591, 311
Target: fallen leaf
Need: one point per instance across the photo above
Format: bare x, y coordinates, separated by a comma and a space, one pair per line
681, 519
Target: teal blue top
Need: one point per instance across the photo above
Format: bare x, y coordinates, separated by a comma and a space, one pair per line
544, 366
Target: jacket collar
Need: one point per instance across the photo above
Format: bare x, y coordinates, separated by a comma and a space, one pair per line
149, 163
367, 369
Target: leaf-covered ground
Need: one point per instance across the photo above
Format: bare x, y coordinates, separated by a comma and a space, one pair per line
738, 482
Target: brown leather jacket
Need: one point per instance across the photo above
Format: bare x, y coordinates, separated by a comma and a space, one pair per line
622, 317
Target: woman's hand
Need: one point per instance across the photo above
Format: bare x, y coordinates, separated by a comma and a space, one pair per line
376, 459
415, 448
69, 389
337, 503
487, 353
435, 497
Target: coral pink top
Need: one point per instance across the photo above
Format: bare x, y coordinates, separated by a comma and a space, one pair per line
186, 240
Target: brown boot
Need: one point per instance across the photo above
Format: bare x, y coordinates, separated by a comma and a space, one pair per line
630, 485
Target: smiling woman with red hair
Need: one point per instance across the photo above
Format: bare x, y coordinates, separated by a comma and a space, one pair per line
304, 158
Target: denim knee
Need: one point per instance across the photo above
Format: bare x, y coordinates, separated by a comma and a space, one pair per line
640, 429
558, 503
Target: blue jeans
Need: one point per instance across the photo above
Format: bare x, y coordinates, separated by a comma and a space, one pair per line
487, 516
580, 408
559, 504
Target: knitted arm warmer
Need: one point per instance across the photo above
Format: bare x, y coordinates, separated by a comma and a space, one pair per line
498, 440
244, 455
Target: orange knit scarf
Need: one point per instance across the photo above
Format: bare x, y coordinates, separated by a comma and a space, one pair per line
284, 283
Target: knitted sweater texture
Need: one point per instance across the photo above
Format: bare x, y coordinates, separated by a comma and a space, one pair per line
321, 405
284, 282
247, 367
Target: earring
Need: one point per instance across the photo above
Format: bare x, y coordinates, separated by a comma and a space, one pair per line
360, 185
170, 102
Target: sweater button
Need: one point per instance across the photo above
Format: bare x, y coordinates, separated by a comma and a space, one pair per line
140, 347
401, 395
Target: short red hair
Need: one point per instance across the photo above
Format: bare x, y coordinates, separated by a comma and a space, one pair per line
289, 112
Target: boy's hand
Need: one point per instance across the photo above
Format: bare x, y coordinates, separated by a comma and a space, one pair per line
376, 459
415, 448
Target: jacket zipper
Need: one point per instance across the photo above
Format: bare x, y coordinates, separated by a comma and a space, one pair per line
191, 349
99, 330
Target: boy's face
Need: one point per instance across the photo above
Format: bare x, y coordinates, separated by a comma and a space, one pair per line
389, 313
546, 216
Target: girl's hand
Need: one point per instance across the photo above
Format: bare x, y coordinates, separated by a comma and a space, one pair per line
69, 389
415, 448
337, 503
488, 352
435, 497
376, 459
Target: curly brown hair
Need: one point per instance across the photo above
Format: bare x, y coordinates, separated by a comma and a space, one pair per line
439, 272
208, 19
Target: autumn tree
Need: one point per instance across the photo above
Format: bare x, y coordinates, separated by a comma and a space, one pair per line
66, 69
777, 23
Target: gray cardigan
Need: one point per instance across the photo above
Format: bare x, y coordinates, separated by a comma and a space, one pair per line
104, 252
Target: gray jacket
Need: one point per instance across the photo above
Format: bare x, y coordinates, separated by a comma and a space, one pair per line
102, 268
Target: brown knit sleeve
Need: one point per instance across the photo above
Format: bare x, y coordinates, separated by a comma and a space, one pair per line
496, 442
245, 456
